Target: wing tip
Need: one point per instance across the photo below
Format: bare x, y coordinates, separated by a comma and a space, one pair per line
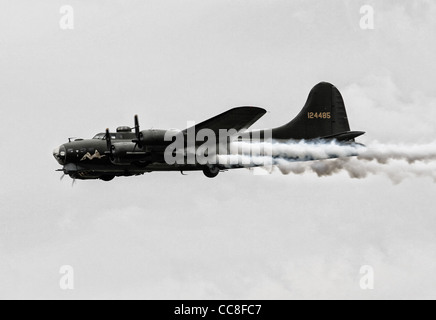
249, 108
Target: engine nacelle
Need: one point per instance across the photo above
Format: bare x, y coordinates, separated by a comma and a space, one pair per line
125, 153
153, 137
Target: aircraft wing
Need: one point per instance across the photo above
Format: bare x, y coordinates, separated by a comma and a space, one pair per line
238, 118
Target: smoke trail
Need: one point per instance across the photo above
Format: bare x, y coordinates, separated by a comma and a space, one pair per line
397, 162
383, 153
396, 170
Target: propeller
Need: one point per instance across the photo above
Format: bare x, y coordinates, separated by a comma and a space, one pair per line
109, 145
138, 133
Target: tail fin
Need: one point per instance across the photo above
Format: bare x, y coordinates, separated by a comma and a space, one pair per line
323, 116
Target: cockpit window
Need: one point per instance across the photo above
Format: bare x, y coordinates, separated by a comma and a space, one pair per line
99, 136
102, 136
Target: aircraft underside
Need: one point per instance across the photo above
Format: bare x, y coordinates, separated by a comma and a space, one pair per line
107, 172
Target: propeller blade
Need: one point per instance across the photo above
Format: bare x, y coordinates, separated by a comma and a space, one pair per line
137, 132
108, 140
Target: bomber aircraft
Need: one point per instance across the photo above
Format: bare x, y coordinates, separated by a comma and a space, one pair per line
131, 152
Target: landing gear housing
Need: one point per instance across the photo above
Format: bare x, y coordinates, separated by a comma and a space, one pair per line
211, 171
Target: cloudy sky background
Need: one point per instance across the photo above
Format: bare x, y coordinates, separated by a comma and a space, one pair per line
239, 236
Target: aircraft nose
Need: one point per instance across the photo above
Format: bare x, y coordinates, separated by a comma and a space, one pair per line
60, 154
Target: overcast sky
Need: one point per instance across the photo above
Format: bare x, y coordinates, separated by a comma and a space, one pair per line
239, 236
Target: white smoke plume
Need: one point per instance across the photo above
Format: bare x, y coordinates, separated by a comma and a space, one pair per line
396, 170
383, 153
396, 161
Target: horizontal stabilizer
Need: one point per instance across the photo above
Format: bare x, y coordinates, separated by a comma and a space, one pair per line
345, 136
